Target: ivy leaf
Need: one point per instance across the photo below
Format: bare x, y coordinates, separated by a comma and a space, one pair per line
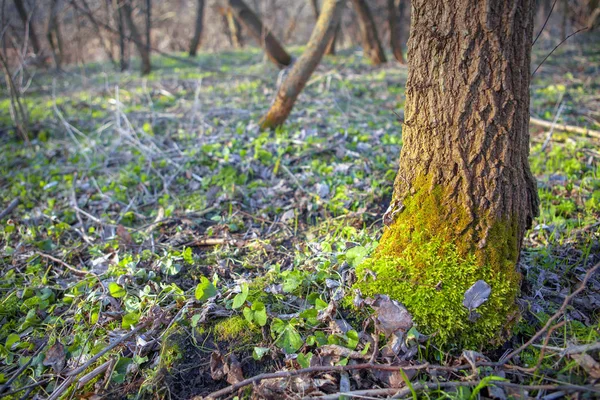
205, 290
259, 352
290, 340
129, 320
260, 313
352, 336
241, 297
11, 339
304, 359
476, 295
116, 290
320, 304
355, 255
248, 314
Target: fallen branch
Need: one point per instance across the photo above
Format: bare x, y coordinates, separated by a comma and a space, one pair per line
11, 206
565, 128
396, 393
319, 368
67, 266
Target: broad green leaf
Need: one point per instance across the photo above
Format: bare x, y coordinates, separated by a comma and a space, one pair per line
116, 290
304, 359
205, 290
248, 314
320, 304
259, 352
11, 340
352, 339
129, 320
260, 313
289, 339
355, 255
241, 297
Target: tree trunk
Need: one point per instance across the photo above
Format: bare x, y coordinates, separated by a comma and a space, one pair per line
53, 35
197, 29
135, 36
123, 60
394, 25
148, 25
368, 30
235, 30
25, 18
464, 195
263, 36
305, 65
314, 5
330, 50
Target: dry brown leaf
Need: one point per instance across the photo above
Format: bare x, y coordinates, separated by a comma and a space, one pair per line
55, 357
587, 362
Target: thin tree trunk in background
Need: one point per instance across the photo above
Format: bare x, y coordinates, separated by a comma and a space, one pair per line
148, 26
28, 25
137, 40
394, 25
563, 25
305, 65
330, 50
314, 5
464, 175
235, 30
88, 13
370, 40
197, 28
53, 35
123, 59
263, 36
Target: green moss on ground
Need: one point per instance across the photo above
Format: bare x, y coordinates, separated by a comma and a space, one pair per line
427, 260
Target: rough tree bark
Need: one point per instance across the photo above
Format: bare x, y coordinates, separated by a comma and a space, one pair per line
197, 28
370, 41
25, 18
146, 67
330, 50
263, 36
464, 195
305, 65
53, 35
394, 25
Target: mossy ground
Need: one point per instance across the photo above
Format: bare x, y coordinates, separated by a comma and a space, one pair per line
426, 260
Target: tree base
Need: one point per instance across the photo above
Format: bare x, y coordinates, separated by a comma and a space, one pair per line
429, 257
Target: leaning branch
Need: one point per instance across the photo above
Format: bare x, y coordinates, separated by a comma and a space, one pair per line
565, 128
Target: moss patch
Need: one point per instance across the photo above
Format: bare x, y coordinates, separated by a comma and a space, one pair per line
428, 258
236, 329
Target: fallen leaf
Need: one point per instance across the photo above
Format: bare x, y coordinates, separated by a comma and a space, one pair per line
391, 315
477, 294
55, 357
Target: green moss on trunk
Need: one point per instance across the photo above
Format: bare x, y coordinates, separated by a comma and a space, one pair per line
430, 255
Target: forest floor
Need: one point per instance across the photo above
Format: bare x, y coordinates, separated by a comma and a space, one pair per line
163, 247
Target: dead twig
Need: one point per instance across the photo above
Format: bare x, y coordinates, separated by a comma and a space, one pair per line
105, 350
553, 318
319, 368
11, 206
23, 368
67, 266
